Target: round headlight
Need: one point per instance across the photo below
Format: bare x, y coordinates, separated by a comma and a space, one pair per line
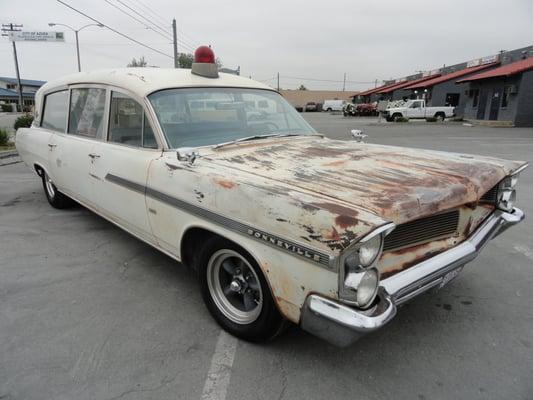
369, 250
368, 287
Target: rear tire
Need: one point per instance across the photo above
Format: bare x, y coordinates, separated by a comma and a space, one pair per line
236, 292
54, 196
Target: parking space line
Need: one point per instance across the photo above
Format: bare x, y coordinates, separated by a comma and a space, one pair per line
218, 377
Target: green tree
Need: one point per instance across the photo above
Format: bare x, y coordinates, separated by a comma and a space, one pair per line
186, 60
302, 87
137, 63
24, 121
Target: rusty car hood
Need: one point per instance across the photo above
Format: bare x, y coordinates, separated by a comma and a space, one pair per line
394, 183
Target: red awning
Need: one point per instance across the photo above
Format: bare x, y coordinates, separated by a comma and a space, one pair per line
505, 70
373, 90
403, 84
450, 76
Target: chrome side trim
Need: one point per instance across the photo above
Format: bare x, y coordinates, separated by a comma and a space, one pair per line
341, 324
288, 246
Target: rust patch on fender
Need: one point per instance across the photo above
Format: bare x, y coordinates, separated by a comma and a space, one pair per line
225, 184
337, 209
345, 221
335, 163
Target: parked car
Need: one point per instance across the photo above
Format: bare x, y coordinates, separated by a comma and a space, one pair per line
349, 110
362, 109
280, 223
367, 109
311, 106
417, 109
333, 105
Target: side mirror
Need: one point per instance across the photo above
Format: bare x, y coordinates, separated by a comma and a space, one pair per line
187, 154
358, 135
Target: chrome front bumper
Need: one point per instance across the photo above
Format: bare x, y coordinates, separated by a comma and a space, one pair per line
341, 324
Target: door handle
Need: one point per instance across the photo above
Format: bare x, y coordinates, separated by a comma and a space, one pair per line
51, 145
93, 155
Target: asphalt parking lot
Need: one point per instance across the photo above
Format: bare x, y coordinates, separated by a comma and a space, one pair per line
89, 312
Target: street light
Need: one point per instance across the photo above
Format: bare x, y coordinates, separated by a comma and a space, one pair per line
76, 32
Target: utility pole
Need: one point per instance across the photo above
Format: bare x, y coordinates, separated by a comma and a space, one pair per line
278, 81
344, 83
15, 28
78, 51
175, 37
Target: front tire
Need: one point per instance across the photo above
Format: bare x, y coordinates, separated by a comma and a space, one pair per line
54, 196
236, 292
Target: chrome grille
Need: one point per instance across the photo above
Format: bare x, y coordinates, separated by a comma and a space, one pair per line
422, 230
491, 195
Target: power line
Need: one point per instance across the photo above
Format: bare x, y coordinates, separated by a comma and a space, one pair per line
114, 30
185, 44
143, 17
135, 18
321, 80
161, 19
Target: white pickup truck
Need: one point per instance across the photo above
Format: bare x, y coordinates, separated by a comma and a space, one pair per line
418, 109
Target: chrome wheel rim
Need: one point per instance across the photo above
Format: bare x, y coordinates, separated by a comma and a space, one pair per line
234, 286
49, 186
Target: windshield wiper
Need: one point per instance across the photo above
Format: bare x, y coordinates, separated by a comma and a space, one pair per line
256, 137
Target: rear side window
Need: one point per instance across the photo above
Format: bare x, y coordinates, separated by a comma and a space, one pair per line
128, 124
55, 111
87, 112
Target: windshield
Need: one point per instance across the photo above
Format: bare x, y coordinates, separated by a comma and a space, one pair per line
208, 116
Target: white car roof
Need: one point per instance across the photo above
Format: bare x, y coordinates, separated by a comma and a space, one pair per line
143, 81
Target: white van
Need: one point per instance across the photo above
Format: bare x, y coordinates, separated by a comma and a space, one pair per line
333, 105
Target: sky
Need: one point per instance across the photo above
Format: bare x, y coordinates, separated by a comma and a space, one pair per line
310, 42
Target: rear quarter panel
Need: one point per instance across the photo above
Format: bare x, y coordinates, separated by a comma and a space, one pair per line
32, 146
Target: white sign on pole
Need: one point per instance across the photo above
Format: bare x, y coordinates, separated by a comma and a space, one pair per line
36, 36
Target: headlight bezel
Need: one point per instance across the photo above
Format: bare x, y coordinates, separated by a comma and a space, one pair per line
354, 273
506, 195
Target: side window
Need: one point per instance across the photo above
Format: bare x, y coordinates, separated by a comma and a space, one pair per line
55, 111
127, 123
87, 112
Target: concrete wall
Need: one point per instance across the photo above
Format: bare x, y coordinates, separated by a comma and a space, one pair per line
524, 111
488, 86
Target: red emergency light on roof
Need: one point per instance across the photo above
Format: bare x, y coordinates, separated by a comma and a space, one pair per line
204, 63
204, 54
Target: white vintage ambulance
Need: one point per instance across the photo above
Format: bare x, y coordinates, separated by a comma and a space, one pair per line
281, 224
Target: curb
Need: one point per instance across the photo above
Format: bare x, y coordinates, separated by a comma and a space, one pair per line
9, 157
8, 154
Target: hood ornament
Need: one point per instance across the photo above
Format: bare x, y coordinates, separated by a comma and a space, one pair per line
358, 135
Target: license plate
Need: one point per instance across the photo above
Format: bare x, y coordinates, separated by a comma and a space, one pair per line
450, 276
